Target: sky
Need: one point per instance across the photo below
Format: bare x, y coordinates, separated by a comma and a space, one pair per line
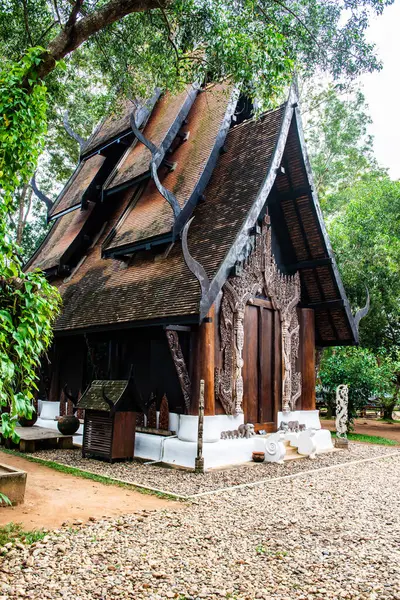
382, 89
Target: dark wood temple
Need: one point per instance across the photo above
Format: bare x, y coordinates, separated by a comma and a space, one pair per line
132, 302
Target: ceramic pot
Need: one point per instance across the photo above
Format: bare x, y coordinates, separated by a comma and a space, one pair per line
68, 425
28, 422
258, 456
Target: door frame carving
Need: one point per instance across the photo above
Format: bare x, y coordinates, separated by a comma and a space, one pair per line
259, 275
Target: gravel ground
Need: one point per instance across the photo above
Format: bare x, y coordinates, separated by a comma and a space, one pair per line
183, 482
330, 534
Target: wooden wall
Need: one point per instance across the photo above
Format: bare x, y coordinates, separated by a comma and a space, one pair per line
77, 361
306, 360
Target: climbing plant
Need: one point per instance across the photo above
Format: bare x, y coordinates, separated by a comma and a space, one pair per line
28, 303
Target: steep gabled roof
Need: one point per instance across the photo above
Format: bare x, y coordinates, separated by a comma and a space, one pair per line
264, 166
110, 129
149, 216
162, 127
79, 185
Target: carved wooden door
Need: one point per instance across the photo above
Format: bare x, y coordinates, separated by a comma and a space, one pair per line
262, 369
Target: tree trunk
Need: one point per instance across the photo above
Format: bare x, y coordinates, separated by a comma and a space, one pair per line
388, 411
23, 212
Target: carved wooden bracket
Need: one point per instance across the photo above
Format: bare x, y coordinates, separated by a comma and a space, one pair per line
180, 366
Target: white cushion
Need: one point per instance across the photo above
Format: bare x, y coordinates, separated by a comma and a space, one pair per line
50, 410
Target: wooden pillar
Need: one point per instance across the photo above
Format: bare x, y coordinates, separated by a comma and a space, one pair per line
307, 358
206, 360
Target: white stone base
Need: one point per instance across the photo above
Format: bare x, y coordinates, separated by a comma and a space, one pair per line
183, 454
181, 450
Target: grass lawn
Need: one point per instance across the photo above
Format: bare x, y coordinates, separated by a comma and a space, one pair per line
369, 439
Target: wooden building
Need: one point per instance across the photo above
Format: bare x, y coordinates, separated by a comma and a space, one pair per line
189, 244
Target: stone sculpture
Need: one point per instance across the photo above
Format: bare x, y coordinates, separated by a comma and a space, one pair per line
275, 448
243, 431
306, 444
342, 405
246, 431
291, 426
284, 426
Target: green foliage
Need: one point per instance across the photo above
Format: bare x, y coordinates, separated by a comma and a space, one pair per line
365, 233
28, 304
359, 368
5, 499
341, 150
22, 121
13, 532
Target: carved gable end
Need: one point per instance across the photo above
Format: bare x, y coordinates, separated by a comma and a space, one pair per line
259, 275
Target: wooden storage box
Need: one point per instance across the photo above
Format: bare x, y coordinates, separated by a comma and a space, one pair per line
110, 418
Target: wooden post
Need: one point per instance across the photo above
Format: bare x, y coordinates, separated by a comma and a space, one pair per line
199, 462
206, 354
307, 358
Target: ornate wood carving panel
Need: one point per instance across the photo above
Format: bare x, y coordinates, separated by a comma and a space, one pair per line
260, 275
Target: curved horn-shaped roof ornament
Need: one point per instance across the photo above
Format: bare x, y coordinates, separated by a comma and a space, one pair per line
49, 203
81, 141
198, 271
73, 399
107, 399
156, 158
360, 314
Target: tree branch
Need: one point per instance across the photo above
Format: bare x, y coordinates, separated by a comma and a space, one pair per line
28, 31
75, 35
40, 195
74, 13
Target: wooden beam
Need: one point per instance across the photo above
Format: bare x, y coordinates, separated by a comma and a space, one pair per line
309, 264
326, 305
178, 328
294, 193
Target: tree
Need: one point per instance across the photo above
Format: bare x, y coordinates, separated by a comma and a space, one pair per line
366, 236
340, 147
132, 46
367, 377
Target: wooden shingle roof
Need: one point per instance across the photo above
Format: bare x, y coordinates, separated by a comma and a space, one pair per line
248, 179
93, 398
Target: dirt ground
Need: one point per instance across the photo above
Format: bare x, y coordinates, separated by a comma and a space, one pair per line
371, 427
52, 498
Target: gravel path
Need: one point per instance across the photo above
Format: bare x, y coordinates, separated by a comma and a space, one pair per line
331, 534
189, 483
